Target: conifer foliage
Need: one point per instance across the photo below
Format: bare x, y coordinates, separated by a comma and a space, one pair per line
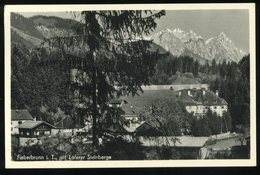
108, 50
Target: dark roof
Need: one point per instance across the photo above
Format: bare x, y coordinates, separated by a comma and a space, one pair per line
116, 128
185, 78
21, 114
133, 105
148, 129
33, 124
67, 123
186, 99
197, 98
115, 101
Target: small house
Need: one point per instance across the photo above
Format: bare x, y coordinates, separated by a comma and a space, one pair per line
68, 127
30, 132
18, 117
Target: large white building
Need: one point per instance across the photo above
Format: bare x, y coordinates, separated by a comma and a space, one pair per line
198, 102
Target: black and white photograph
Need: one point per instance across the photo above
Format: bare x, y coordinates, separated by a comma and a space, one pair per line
130, 85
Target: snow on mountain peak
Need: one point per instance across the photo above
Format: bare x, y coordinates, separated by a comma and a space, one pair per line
209, 40
222, 35
179, 42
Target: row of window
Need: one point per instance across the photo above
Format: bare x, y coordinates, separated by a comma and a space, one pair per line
19, 122
205, 107
36, 133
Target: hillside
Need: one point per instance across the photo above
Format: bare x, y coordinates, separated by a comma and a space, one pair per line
32, 31
185, 78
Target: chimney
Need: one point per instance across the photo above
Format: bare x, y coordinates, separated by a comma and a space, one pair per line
217, 93
189, 93
203, 91
34, 119
179, 93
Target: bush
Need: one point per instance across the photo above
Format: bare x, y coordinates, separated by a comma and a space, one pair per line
162, 153
119, 149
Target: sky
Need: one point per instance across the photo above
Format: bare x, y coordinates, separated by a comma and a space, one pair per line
206, 23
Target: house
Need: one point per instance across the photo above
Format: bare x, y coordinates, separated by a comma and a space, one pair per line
189, 147
115, 103
198, 102
67, 127
133, 106
30, 132
225, 145
18, 117
148, 129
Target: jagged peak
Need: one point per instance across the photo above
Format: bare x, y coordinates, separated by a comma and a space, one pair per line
222, 35
178, 30
166, 30
209, 40
192, 32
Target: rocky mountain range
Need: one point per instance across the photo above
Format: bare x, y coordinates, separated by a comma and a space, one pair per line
31, 31
181, 43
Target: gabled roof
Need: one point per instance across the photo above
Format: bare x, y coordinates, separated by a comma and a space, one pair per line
67, 123
197, 98
33, 124
185, 80
148, 129
21, 114
186, 99
116, 128
133, 105
133, 127
115, 101
180, 141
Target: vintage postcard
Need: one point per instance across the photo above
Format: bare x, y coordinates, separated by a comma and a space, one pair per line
140, 85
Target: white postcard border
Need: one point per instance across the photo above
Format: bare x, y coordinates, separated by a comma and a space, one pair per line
145, 163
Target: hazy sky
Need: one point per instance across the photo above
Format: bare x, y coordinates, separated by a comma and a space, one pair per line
207, 23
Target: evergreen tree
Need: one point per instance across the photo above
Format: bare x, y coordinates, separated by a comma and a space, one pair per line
196, 69
18, 65
109, 50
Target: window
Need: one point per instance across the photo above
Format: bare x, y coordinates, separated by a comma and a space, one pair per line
215, 107
27, 133
47, 132
19, 122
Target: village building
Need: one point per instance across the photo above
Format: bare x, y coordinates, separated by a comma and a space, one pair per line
30, 132
189, 147
198, 102
18, 117
67, 127
115, 103
182, 81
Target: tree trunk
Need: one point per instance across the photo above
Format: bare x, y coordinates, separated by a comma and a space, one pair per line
94, 99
